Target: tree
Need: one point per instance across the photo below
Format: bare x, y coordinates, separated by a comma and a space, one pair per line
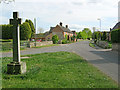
84, 35
88, 33
25, 31
55, 39
79, 36
31, 26
40, 30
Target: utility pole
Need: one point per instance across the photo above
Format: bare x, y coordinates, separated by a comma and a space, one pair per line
35, 30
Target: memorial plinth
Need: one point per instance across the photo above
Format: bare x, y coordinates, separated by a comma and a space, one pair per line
16, 67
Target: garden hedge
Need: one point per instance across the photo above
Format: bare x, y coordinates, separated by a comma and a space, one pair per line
6, 31
115, 36
25, 31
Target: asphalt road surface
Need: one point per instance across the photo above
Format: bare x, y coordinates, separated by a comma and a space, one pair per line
104, 59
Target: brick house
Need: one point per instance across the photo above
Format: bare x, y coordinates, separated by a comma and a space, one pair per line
60, 31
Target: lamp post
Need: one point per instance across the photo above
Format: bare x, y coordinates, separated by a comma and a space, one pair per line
35, 30
100, 26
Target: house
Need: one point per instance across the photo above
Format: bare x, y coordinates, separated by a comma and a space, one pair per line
117, 26
39, 37
60, 31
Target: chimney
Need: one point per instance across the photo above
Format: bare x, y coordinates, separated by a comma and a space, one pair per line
60, 23
66, 26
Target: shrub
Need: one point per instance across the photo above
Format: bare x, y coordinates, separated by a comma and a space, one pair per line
115, 38
73, 38
64, 41
25, 31
55, 39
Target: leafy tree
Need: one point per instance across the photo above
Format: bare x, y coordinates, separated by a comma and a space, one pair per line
88, 33
25, 31
31, 26
79, 36
55, 39
84, 35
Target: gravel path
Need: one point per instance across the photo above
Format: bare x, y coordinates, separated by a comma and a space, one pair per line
104, 59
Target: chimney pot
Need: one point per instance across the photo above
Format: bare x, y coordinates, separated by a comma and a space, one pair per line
60, 23
66, 26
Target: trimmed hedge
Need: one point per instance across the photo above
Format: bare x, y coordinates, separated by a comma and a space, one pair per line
6, 31
115, 36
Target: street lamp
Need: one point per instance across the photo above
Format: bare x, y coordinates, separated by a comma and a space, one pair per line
100, 23
100, 26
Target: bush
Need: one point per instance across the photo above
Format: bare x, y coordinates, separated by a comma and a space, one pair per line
25, 31
115, 38
55, 39
64, 41
73, 38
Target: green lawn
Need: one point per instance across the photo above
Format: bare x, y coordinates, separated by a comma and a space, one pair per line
56, 70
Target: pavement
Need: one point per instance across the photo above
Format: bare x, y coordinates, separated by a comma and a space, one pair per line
105, 60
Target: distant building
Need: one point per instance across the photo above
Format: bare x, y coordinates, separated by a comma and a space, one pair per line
60, 31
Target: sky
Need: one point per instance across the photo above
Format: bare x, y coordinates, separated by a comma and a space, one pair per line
77, 14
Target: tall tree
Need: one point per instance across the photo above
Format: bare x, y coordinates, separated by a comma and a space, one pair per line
31, 26
25, 31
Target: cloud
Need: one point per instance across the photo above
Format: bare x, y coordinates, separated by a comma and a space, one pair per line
78, 13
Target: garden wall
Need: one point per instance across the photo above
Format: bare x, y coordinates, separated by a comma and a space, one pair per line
102, 44
116, 46
32, 44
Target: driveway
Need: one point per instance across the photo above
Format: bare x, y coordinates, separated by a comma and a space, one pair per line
104, 59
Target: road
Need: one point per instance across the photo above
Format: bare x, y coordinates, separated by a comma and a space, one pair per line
104, 59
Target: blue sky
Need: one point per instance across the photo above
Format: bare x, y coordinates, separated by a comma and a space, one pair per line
77, 14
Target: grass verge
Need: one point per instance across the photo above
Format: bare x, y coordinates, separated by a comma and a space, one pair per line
46, 46
92, 45
56, 70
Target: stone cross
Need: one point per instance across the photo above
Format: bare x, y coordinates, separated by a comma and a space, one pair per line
16, 36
